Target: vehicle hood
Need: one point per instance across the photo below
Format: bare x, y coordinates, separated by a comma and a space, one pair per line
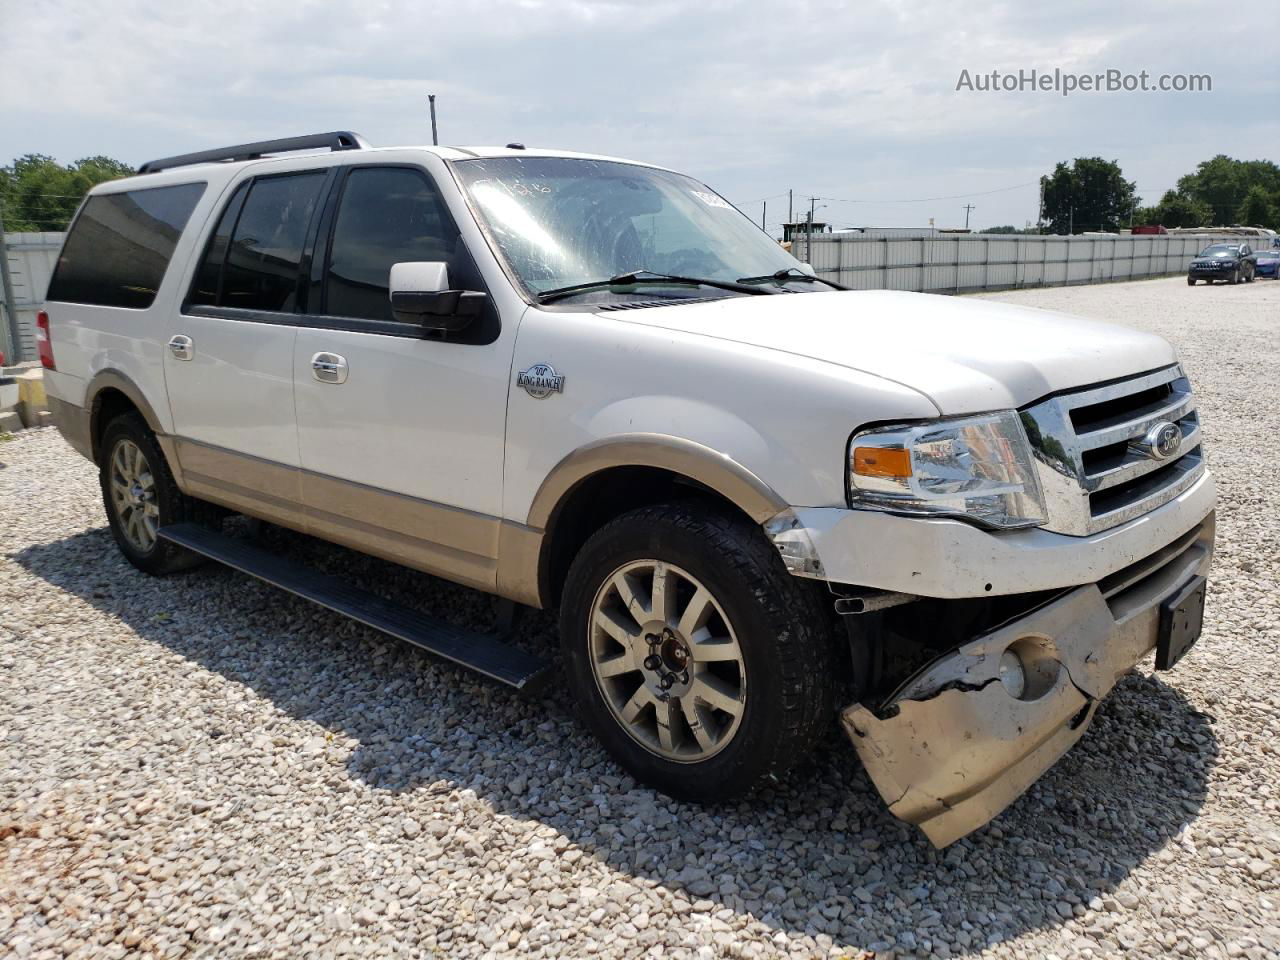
964, 354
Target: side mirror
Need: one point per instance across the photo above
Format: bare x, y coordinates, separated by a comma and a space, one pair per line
420, 295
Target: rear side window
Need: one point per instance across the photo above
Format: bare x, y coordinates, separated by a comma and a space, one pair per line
253, 256
205, 288
120, 245
388, 215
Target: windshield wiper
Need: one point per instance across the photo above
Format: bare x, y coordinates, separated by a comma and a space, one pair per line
645, 276
792, 273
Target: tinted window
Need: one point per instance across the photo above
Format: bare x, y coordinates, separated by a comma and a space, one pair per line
387, 215
120, 245
261, 271
204, 289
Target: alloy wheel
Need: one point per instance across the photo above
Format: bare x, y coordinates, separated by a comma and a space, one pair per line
667, 661
133, 492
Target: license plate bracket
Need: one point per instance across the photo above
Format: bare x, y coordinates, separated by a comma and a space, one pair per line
1181, 621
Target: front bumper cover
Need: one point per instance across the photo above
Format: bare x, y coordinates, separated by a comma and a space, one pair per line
951, 559
951, 748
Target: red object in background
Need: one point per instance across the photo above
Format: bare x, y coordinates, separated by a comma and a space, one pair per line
1, 358
43, 346
1150, 229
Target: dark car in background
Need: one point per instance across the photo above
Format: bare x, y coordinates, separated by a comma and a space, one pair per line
1231, 262
1266, 263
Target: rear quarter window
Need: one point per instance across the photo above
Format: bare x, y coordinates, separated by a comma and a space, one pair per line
120, 246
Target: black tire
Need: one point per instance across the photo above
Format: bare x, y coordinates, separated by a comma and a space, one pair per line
1248, 277
1208, 281
1235, 277
1191, 281
782, 629
174, 506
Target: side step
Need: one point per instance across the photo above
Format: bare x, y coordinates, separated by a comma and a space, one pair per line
480, 652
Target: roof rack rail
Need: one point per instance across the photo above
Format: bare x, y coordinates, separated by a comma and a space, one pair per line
337, 140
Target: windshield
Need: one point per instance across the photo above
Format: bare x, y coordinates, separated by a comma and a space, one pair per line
560, 221
1219, 250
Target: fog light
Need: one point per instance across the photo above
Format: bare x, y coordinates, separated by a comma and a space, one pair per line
1013, 675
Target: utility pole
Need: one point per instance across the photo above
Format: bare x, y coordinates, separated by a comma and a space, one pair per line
13, 354
808, 244
764, 212
435, 139
967, 208
791, 215
1040, 215
1071, 221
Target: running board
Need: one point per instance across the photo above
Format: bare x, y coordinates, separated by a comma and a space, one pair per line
481, 652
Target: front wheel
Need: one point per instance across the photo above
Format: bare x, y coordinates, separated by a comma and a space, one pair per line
1191, 281
701, 665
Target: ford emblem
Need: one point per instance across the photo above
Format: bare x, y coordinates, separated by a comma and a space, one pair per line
1162, 440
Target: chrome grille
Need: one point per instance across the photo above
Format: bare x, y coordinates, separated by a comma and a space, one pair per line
1089, 450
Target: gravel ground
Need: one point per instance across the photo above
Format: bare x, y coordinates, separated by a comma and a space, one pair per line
203, 766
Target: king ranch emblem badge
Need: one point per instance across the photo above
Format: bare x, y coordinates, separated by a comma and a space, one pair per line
540, 381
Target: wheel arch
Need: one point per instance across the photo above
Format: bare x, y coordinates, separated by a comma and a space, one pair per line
111, 393
604, 479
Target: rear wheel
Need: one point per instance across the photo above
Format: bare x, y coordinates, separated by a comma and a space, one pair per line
140, 496
702, 666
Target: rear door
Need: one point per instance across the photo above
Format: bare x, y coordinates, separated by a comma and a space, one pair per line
229, 358
403, 457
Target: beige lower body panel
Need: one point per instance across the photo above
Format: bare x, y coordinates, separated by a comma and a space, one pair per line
952, 748
445, 541
72, 422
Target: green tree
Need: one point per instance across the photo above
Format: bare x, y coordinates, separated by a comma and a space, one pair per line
38, 193
1223, 183
1259, 208
1175, 210
1007, 228
1090, 194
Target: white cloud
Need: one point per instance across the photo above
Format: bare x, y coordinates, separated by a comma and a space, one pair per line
842, 100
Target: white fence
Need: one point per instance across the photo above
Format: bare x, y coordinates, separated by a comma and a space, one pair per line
948, 263
31, 260
953, 263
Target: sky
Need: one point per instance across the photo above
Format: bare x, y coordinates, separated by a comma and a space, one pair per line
854, 103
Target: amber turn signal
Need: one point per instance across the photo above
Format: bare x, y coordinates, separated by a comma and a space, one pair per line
880, 462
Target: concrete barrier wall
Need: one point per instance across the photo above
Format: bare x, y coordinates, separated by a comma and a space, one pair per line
954, 263
948, 263
31, 260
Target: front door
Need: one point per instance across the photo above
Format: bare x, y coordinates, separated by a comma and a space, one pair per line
229, 357
400, 436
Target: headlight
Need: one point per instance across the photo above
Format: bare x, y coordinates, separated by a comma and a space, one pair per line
979, 468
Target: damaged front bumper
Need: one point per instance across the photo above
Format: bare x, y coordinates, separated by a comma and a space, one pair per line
954, 745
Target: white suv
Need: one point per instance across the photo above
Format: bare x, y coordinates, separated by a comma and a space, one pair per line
592, 384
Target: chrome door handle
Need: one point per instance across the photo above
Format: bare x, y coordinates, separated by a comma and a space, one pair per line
329, 368
181, 347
